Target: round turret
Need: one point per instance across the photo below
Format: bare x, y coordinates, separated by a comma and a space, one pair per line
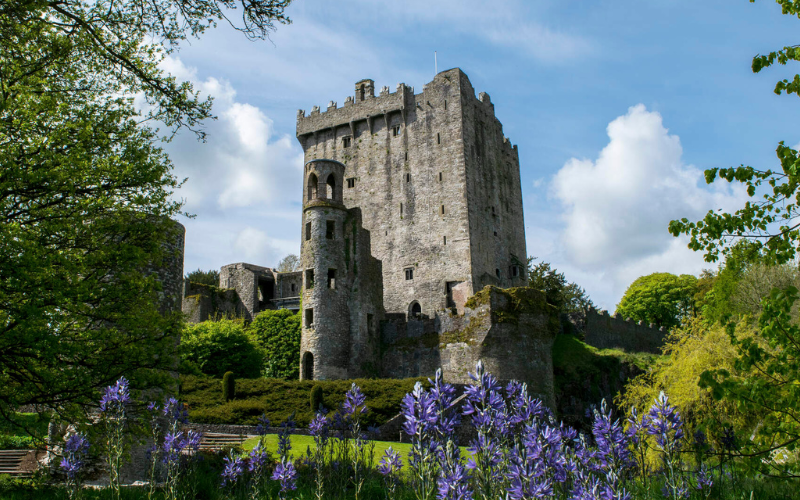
325, 338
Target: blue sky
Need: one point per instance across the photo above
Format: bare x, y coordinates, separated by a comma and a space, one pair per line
617, 107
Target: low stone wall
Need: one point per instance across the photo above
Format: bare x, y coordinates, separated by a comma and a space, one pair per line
202, 302
612, 332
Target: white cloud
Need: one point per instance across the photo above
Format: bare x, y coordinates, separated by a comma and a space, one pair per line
616, 208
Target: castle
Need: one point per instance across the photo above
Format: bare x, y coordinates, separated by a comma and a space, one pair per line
413, 244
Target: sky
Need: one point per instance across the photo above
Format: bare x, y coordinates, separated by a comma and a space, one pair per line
617, 108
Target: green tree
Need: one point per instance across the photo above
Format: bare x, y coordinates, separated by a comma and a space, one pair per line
85, 192
210, 278
661, 298
770, 221
220, 346
278, 334
288, 264
566, 296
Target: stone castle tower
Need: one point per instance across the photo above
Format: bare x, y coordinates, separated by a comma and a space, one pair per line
412, 203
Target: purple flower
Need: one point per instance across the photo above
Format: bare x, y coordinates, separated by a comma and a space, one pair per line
115, 397
233, 470
175, 411
665, 423
613, 443
454, 484
259, 458
76, 449
263, 425
286, 474
319, 425
354, 401
704, 479
419, 410
390, 463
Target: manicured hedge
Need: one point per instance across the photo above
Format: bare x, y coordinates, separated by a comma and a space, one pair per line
279, 398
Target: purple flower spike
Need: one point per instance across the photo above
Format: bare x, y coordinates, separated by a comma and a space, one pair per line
665, 423
354, 401
263, 425
454, 484
390, 463
286, 474
116, 396
233, 470
76, 450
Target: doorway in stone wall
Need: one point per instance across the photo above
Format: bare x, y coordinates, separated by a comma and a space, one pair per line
308, 366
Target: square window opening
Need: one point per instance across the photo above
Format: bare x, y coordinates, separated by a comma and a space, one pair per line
332, 279
346, 141
309, 279
309, 318
395, 130
308, 231
351, 182
409, 273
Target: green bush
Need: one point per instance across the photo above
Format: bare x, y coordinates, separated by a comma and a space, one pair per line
220, 346
316, 397
228, 386
279, 398
278, 335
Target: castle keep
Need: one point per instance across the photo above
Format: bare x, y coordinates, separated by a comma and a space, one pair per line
412, 247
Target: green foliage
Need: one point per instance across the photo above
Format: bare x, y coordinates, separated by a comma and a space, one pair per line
770, 222
660, 298
288, 264
316, 397
210, 278
228, 386
85, 193
567, 297
763, 381
280, 398
216, 347
278, 335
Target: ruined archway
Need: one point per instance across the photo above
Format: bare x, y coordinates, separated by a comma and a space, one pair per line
308, 366
312, 187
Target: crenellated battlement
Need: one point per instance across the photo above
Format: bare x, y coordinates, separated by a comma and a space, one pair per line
607, 332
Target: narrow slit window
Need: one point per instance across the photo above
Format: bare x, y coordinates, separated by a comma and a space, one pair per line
346, 141
351, 182
395, 130
406, 155
408, 177
332, 279
445, 104
309, 279
309, 318
293, 287
493, 212
401, 210
440, 177
438, 138
308, 231
330, 229
409, 273
444, 240
441, 210
495, 233
497, 272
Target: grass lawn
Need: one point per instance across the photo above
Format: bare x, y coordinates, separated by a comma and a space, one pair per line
300, 443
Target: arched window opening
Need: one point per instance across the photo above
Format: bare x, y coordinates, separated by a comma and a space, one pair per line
361, 93
415, 310
331, 183
308, 366
312, 187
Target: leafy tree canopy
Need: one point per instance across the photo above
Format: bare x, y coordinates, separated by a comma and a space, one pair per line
660, 298
288, 264
216, 347
85, 193
278, 334
210, 278
566, 296
770, 220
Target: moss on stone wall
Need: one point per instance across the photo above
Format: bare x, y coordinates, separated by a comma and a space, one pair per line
519, 300
424, 341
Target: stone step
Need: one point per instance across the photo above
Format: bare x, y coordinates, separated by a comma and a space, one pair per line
17, 463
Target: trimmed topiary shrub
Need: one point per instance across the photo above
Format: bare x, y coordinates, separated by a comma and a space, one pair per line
216, 347
228, 386
316, 397
278, 335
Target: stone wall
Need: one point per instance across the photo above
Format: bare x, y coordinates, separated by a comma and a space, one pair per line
612, 332
425, 206
511, 331
255, 286
204, 302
